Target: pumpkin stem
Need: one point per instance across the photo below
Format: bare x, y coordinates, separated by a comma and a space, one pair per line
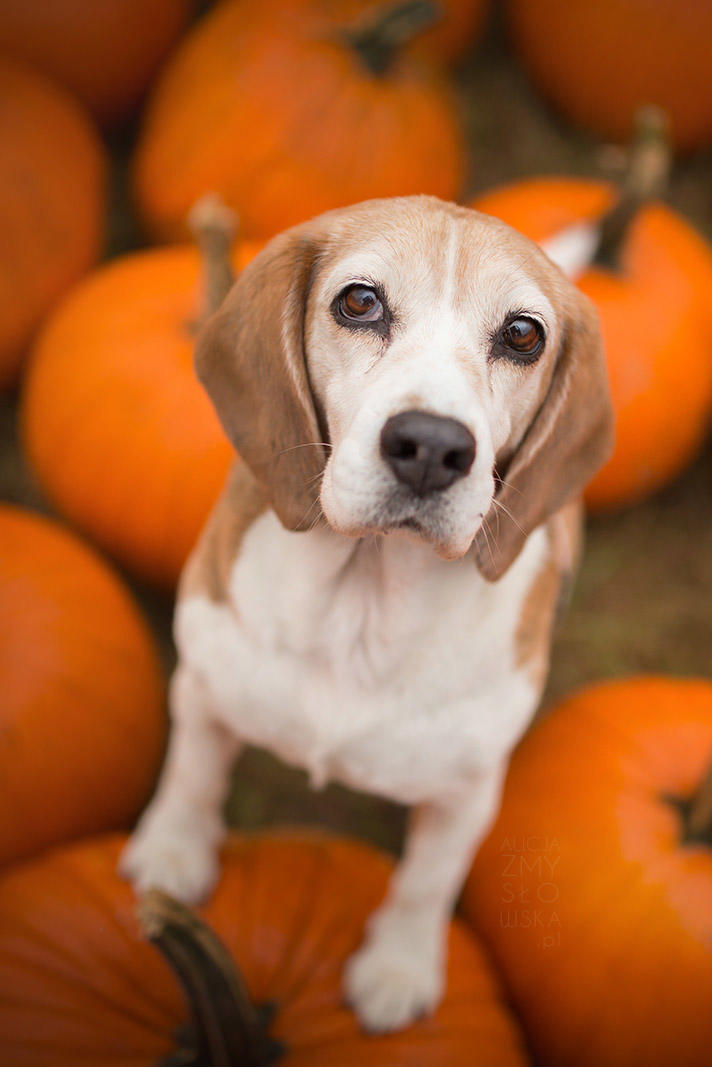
698, 817
377, 36
214, 226
646, 178
228, 1030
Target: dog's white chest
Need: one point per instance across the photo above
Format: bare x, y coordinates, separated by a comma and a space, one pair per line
378, 665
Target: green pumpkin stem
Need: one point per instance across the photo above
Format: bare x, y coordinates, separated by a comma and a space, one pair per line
379, 34
646, 178
214, 226
227, 1029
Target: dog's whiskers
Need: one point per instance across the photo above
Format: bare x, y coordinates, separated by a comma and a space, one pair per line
316, 503
312, 481
502, 507
509, 485
306, 444
486, 531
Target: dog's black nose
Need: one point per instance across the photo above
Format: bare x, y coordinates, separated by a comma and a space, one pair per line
427, 452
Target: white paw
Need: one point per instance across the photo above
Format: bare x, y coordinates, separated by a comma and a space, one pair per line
181, 858
390, 984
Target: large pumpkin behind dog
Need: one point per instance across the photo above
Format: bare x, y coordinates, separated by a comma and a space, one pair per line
81, 695
656, 322
599, 60
51, 204
104, 51
79, 985
286, 115
594, 888
116, 426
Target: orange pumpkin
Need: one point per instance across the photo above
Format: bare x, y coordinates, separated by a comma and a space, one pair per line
116, 426
286, 117
52, 204
594, 888
78, 983
81, 719
598, 62
655, 317
105, 53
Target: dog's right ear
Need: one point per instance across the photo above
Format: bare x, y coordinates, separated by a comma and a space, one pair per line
250, 358
569, 439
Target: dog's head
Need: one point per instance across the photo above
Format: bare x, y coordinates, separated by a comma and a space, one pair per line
411, 365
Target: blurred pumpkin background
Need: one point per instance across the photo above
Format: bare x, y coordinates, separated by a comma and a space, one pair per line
148, 150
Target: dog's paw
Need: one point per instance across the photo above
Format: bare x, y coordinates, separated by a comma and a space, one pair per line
389, 985
182, 860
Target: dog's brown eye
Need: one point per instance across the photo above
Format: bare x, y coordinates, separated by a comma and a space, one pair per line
523, 337
361, 303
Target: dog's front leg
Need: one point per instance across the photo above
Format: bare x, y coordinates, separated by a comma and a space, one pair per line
175, 845
398, 973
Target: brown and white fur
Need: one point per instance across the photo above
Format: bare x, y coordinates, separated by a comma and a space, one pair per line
394, 642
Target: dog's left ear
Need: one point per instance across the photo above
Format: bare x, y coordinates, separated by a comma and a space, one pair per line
250, 358
569, 439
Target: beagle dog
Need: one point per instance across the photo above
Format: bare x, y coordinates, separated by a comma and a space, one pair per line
418, 396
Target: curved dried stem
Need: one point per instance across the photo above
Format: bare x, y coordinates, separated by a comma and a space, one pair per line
214, 226
377, 36
227, 1029
646, 179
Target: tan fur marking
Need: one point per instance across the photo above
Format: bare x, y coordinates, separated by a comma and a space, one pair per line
209, 565
566, 534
